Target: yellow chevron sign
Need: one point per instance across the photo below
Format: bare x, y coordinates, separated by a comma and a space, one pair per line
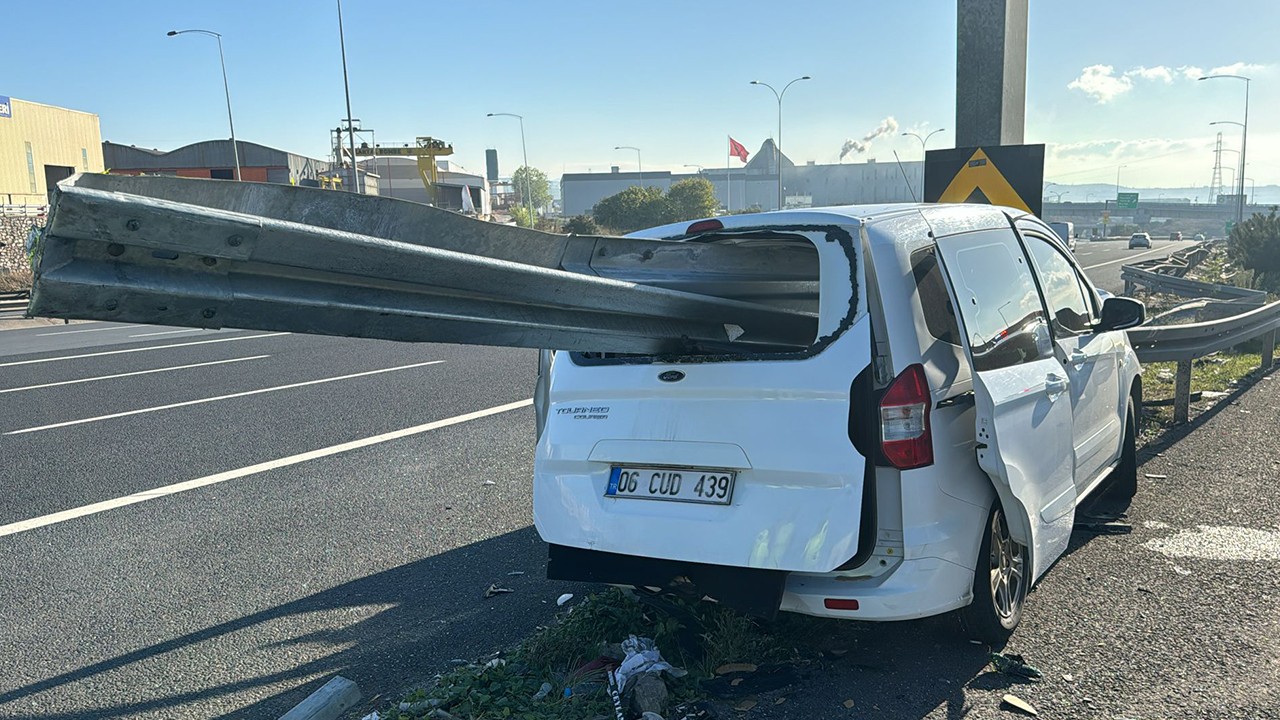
1009, 175
980, 174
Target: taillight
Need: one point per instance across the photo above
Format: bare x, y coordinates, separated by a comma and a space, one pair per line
905, 437
704, 226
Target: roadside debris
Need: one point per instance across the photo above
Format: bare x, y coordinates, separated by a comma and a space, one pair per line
1015, 665
564, 598
1154, 476
1099, 527
1016, 703
495, 590
848, 703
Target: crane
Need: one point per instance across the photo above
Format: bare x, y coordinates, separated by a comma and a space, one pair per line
426, 149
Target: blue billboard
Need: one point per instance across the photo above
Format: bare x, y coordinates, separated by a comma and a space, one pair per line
6, 107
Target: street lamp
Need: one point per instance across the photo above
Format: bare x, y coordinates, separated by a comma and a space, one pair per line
524, 151
1244, 139
1057, 196
1252, 189
924, 151
777, 146
639, 167
235, 151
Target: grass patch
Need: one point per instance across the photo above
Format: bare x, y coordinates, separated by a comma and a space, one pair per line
696, 636
1217, 373
16, 280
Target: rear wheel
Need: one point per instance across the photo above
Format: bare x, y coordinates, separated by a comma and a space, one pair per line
1000, 583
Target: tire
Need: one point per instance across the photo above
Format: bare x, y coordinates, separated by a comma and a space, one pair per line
1123, 483
1000, 584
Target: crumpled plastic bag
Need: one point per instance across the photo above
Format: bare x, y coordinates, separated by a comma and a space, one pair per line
643, 658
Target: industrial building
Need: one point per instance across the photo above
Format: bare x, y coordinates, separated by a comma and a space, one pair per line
42, 144
755, 183
214, 159
399, 177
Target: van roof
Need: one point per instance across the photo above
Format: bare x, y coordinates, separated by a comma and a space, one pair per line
945, 219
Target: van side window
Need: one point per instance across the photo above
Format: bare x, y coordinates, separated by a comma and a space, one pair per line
1004, 319
939, 318
1067, 303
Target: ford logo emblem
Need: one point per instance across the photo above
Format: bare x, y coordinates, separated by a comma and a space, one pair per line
671, 376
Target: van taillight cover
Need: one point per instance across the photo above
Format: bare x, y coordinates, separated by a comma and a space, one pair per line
905, 437
704, 226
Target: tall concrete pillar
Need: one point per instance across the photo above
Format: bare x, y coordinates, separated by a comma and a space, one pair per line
991, 72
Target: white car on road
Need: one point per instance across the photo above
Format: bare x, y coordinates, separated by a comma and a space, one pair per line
967, 388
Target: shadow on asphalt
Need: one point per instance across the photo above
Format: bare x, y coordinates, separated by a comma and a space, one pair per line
437, 613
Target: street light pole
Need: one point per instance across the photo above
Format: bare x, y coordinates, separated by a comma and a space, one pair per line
235, 150
777, 146
524, 151
1244, 140
639, 167
924, 151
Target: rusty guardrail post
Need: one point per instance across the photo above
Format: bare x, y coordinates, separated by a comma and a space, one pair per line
1182, 393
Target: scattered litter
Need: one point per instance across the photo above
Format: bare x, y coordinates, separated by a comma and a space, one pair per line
779, 701
372, 716
564, 598
1015, 665
495, 590
1146, 590
848, 704
735, 668
976, 642
615, 693
643, 658
1106, 528
1017, 704
745, 705
1153, 476
1181, 570
515, 573
735, 682
1069, 678
494, 663
488, 482
733, 331
543, 691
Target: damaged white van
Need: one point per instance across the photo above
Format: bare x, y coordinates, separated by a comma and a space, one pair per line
966, 388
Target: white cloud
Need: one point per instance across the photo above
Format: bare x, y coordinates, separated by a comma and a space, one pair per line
1101, 83
1159, 72
1237, 68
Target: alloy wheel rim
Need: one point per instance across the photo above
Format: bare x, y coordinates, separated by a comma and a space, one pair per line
1007, 568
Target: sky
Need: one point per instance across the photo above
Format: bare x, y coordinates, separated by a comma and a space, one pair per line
1109, 84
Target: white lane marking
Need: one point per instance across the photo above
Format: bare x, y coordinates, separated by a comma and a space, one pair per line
202, 401
73, 332
130, 374
168, 332
95, 508
1129, 258
134, 350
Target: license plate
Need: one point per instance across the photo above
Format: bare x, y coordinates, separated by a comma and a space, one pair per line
712, 487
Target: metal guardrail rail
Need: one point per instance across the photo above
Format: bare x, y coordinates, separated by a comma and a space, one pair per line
14, 304
1185, 343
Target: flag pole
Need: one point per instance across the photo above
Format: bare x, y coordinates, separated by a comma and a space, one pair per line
728, 183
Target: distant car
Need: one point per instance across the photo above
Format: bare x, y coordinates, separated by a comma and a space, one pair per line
1139, 240
1175, 236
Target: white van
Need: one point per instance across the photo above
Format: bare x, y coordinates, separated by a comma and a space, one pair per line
874, 475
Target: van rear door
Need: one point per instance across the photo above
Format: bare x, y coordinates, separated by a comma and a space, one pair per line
1021, 390
740, 461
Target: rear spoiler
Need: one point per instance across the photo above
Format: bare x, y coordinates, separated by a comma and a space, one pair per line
214, 254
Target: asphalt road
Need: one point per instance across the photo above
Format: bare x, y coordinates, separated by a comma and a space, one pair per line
1102, 260
294, 553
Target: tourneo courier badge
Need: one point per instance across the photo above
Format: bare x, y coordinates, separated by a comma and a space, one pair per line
671, 376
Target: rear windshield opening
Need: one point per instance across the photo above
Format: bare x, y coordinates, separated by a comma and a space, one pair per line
777, 309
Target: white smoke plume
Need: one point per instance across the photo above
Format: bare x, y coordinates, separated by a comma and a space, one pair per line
887, 126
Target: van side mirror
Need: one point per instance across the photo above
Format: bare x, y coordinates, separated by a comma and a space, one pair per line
1121, 313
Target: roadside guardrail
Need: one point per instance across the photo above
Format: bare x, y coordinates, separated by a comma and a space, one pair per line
14, 304
1185, 343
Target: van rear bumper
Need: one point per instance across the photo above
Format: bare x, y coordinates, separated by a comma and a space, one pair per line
915, 589
753, 591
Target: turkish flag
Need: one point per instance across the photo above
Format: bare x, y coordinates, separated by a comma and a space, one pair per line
737, 149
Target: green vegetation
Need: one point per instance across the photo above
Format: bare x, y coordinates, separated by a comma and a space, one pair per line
1217, 373
696, 636
642, 207
1255, 244
533, 182
581, 225
15, 280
